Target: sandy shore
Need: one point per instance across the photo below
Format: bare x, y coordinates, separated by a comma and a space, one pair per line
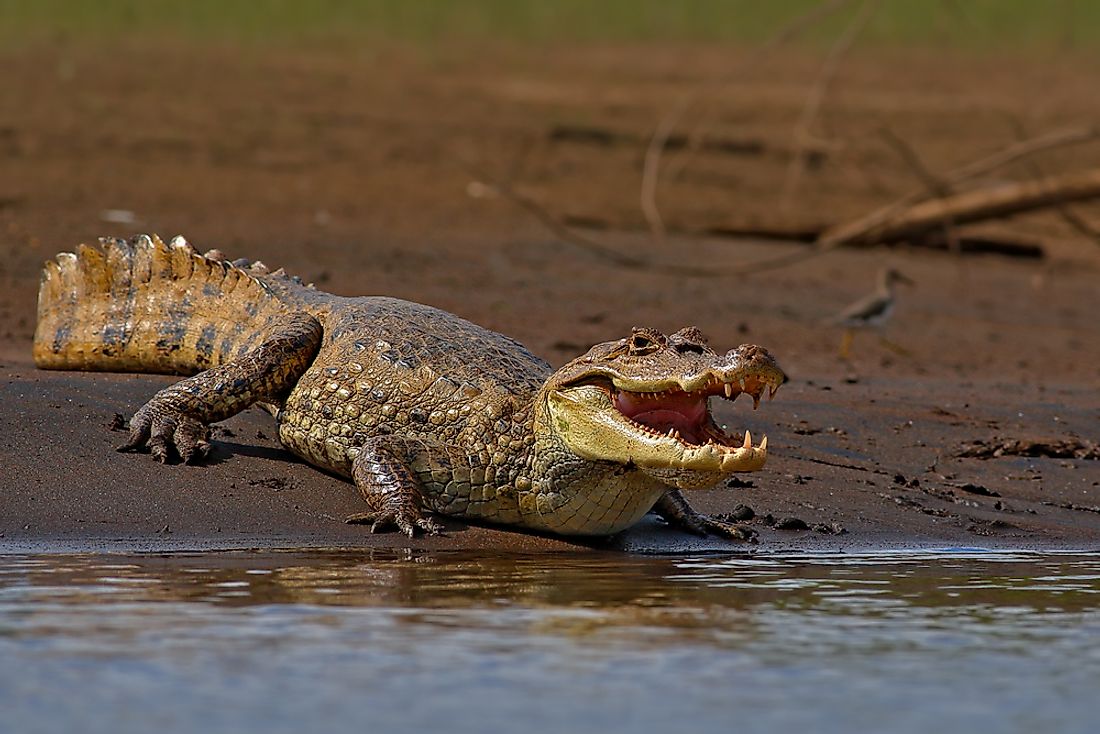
882, 476
362, 176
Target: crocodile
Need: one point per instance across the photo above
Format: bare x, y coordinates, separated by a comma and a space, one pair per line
427, 413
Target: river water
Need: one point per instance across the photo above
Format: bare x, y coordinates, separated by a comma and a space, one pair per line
953, 641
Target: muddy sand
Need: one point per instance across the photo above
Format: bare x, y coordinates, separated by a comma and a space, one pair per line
368, 173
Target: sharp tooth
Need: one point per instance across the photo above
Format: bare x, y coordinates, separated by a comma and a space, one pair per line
748, 441
729, 390
671, 433
763, 448
741, 384
773, 390
676, 435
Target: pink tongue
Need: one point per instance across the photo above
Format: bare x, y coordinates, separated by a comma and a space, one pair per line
683, 412
662, 420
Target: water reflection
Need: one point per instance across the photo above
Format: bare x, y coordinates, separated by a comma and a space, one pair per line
819, 641
443, 580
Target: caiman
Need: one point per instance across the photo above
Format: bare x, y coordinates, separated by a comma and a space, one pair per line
428, 414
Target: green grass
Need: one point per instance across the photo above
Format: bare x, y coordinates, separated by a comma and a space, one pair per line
960, 23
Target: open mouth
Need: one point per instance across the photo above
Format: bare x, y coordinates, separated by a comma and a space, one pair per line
685, 416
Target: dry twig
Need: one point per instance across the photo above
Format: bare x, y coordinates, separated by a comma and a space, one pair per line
602, 251
986, 203
935, 185
651, 169
877, 226
812, 105
850, 231
1076, 222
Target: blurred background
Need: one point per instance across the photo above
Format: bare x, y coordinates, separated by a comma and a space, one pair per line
899, 198
562, 171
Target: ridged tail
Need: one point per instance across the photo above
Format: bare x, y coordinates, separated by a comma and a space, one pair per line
144, 306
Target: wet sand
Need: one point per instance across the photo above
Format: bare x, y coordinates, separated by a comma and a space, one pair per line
840, 478
366, 182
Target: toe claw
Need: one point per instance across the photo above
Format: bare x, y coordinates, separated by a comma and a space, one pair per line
139, 434
406, 523
429, 526
159, 448
167, 431
730, 531
195, 455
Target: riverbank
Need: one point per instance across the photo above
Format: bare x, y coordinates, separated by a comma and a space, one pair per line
369, 169
855, 465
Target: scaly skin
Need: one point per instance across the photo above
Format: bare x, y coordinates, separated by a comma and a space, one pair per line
427, 413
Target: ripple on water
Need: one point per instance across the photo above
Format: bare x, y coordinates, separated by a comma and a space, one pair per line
588, 642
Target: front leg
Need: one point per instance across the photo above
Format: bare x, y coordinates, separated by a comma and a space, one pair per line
676, 511
179, 416
382, 473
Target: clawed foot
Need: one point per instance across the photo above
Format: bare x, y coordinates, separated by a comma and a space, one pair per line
678, 513
704, 525
166, 431
728, 530
407, 521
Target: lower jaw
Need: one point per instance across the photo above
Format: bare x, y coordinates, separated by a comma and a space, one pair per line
690, 479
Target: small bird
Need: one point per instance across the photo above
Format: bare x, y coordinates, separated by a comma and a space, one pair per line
871, 311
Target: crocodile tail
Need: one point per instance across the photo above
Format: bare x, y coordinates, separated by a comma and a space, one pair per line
146, 306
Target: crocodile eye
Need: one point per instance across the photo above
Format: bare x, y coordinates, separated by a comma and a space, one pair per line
641, 344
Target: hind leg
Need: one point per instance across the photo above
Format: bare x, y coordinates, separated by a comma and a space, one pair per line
178, 417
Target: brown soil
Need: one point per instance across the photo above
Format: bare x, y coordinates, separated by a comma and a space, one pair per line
367, 172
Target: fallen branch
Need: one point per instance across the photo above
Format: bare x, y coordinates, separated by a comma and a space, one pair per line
1068, 215
909, 216
836, 236
921, 223
971, 206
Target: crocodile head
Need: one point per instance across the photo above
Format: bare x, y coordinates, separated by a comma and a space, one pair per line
644, 401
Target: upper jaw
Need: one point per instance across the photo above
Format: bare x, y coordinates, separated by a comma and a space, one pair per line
728, 384
747, 369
